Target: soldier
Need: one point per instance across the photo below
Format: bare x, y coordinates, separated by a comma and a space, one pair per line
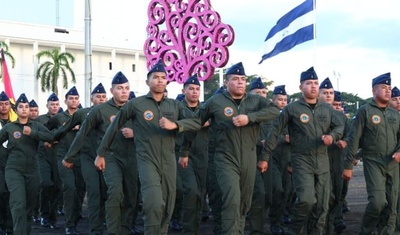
33, 110
376, 129
94, 181
21, 170
213, 190
194, 175
48, 170
262, 194
395, 104
121, 176
282, 184
72, 179
336, 159
312, 126
5, 213
235, 118
155, 148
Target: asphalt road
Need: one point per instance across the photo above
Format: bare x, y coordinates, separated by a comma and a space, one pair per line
356, 198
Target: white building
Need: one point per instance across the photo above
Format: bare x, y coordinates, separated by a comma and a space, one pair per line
117, 41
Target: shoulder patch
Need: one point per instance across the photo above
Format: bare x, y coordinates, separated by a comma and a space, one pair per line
304, 118
112, 117
17, 135
148, 115
376, 119
228, 111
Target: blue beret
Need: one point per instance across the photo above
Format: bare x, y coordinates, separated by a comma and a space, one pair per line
60, 110
71, 91
53, 97
338, 96
382, 79
22, 99
257, 84
309, 74
33, 104
326, 84
131, 95
99, 89
180, 97
237, 69
158, 67
4, 97
119, 78
395, 92
220, 90
279, 90
192, 80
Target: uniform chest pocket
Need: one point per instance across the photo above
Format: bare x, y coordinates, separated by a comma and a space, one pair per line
322, 118
250, 110
392, 120
168, 115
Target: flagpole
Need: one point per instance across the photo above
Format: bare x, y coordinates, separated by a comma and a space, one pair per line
315, 32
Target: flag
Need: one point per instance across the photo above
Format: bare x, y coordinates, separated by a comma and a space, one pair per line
8, 87
295, 27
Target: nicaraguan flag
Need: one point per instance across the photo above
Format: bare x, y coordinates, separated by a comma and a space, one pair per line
296, 27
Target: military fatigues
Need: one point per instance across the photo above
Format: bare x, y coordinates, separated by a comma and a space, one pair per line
262, 194
336, 163
235, 152
5, 213
194, 178
282, 183
309, 158
50, 184
155, 153
214, 191
73, 187
21, 170
94, 181
120, 174
376, 131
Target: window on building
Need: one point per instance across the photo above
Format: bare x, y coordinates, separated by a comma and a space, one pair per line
110, 65
133, 68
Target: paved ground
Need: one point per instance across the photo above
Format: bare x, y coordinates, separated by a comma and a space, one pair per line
357, 200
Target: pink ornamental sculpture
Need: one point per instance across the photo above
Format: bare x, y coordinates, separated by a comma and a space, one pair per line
188, 36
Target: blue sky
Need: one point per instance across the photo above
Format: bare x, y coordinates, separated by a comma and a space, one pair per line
357, 39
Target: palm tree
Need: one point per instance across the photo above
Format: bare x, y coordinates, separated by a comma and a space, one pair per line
50, 71
4, 47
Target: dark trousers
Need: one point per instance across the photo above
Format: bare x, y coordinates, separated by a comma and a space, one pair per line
121, 178
23, 185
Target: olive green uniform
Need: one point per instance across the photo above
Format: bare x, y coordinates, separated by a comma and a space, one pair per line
50, 184
155, 153
21, 170
5, 213
214, 191
376, 131
94, 180
120, 175
336, 163
262, 193
73, 187
282, 184
194, 178
309, 159
235, 152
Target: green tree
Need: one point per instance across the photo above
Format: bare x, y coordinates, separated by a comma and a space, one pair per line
4, 47
50, 71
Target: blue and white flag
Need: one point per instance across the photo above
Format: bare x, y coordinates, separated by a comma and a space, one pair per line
296, 27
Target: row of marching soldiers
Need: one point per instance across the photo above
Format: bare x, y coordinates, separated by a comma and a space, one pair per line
222, 148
